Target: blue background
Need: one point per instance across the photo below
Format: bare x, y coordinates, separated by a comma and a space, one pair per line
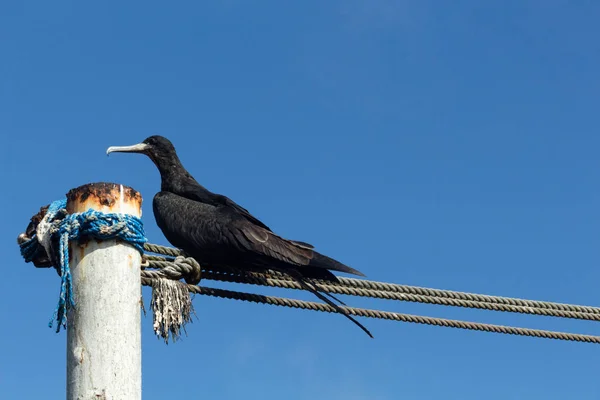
443, 144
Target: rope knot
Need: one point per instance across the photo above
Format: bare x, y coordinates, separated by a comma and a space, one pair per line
58, 227
171, 304
190, 269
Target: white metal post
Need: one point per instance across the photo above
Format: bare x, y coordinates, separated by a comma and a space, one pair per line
104, 358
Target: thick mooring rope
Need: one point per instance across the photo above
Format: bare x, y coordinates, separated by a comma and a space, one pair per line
415, 298
374, 289
362, 312
159, 266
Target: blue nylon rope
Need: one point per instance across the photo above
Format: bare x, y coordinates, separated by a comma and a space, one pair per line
31, 248
102, 226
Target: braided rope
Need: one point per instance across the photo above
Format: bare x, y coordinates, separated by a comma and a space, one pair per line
449, 294
256, 278
468, 296
416, 290
361, 312
158, 249
338, 289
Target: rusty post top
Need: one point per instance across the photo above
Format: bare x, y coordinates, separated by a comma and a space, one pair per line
105, 197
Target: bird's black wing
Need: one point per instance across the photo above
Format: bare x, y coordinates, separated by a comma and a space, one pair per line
319, 265
260, 240
195, 191
219, 229
226, 201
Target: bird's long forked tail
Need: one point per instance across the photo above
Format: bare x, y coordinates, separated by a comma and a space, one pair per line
323, 262
314, 289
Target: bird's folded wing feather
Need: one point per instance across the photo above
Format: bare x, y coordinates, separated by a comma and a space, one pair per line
259, 240
220, 228
199, 193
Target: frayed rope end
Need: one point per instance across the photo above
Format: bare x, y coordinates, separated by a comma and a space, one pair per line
171, 308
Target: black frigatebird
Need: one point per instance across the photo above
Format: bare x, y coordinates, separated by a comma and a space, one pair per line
216, 231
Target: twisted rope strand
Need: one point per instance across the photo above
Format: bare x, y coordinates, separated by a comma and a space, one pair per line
337, 289
158, 249
416, 290
361, 312
467, 296
168, 269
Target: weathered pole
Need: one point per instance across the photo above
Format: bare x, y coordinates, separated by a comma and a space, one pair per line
104, 358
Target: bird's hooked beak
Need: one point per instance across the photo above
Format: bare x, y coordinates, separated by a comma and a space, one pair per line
136, 148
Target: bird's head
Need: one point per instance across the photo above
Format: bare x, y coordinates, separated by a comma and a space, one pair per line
158, 148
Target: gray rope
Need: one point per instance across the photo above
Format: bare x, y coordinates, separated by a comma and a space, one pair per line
468, 296
338, 289
158, 249
449, 294
421, 291
282, 281
361, 312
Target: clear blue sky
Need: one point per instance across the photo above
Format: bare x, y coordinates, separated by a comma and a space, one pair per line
442, 144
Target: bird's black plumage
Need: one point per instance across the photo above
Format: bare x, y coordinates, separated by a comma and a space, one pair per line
216, 231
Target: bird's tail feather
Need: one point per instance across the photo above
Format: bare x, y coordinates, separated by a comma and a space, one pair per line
334, 298
321, 261
314, 289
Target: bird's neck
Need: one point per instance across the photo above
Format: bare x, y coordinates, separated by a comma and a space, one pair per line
173, 175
